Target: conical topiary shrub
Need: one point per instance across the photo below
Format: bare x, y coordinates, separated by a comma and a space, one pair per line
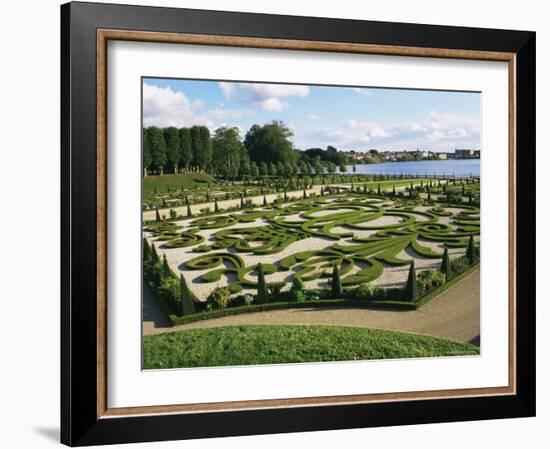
446, 265
186, 298
165, 267
262, 296
146, 250
411, 289
471, 251
336, 284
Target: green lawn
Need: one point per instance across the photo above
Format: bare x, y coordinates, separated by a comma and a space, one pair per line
175, 181
252, 345
387, 185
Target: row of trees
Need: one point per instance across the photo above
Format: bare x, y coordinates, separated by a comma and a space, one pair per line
266, 151
175, 150
331, 155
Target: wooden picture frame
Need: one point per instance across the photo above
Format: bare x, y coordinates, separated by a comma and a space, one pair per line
86, 29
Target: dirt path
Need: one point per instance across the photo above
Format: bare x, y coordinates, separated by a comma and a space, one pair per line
453, 315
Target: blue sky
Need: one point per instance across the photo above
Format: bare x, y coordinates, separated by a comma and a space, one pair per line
348, 118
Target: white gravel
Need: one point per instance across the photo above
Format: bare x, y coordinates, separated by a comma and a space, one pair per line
392, 276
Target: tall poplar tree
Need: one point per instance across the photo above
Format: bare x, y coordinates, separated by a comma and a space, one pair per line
158, 149
202, 147
146, 152
172, 139
186, 149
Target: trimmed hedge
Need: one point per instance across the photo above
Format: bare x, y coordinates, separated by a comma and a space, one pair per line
359, 260
218, 313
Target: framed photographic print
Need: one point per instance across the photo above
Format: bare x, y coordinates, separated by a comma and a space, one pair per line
279, 224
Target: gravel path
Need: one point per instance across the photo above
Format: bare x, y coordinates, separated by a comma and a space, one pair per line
154, 319
453, 315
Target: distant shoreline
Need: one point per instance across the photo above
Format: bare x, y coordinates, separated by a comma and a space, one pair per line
458, 167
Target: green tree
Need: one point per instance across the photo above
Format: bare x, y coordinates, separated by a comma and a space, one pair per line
289, 169
281, 169
157, 214
471, 251
227, 152
263, 169
165, 267
244, 169
158, 149
254, 169
270, 143
172, 139
186, 149
411, 289
297, 289
202, 147
146, 253
336, 284
186, 298
262, 296
154, 256
446, 265
318, 166
146, 152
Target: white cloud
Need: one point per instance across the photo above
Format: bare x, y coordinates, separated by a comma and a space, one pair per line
313, 117
439, 132
265, 96
164, 107
263, 91
361, 91
272, 104
228, 89
368, 129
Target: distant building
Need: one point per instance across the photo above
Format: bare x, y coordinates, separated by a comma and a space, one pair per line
441, 156
467, 153
420, 154
354, 155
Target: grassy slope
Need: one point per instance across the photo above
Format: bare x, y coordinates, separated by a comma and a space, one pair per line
250, 345
175, 181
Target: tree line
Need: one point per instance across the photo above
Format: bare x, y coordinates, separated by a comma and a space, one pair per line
267, 150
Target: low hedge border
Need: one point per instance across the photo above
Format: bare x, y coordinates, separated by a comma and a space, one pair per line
219, 313
380, 305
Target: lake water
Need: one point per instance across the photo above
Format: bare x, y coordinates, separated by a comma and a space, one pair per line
459, 167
